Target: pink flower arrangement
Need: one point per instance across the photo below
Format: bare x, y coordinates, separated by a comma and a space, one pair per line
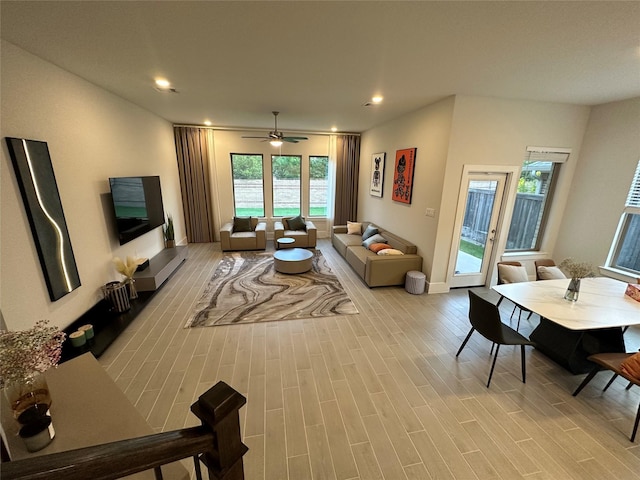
27, 351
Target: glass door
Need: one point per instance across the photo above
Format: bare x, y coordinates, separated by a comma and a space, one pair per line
476, 232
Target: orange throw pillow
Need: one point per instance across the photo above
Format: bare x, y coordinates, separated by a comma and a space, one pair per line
376, 247
631, 366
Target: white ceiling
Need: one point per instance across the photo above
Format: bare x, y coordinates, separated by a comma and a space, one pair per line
319, 62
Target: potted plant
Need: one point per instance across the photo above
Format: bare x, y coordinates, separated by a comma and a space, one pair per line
169, 235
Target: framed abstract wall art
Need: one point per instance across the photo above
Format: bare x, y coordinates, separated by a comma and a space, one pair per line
43, 207
403, 175
377, 174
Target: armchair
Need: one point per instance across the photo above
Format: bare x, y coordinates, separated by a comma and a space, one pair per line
232, 239
303, 238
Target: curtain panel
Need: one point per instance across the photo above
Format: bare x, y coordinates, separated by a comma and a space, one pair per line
347, 168
192, 151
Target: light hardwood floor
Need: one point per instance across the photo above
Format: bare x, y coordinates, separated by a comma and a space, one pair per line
377, 395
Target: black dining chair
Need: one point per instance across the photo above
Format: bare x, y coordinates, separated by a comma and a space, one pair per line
485, 318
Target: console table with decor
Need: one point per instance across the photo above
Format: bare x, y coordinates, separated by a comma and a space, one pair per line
87, 409
107, 323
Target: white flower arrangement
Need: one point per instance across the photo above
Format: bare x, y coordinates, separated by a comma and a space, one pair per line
577, 270
128, 267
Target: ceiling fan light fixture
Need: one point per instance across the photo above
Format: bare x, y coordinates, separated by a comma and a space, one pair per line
276, 143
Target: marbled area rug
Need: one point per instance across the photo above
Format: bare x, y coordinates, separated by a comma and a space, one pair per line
245, 288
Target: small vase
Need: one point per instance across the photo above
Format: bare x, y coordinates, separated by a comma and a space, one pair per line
32, 390
131, 284
573, 290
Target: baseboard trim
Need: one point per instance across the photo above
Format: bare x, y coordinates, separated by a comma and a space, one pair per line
439, 287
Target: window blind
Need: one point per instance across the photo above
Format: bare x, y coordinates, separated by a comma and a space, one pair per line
633, 199
547, 154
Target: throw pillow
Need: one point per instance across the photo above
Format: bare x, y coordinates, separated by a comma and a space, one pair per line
376, 247
550, 273
296, 223
354, 228
631, 366
377, 238
369, 231
390, 251
512, 273
242, 224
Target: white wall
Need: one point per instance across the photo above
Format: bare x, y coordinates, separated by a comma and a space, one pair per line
92, 135
460, 131
610, 154
429, 130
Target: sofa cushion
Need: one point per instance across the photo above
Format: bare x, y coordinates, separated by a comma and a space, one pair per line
512, 274
369, 231
390, 251
377, 238
242, 224
550, 273
296, 223
376, 247
354, 228
631, 366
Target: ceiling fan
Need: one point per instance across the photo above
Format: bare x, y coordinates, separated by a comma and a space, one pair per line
276, 138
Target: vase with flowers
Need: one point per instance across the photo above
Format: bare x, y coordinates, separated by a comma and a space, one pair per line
127, 268
576, 271
24, 357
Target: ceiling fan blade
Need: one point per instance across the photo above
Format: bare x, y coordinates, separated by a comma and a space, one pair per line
295, 138
255, 137
289, 140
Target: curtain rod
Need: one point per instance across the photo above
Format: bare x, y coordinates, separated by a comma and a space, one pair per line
237, 129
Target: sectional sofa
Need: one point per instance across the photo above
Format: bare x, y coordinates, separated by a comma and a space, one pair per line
376, 270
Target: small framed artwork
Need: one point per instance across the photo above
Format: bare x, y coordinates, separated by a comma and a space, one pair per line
377, 174
403, 175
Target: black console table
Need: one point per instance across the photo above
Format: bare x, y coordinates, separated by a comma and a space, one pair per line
107, 323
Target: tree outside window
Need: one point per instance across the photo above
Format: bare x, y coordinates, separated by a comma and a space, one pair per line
248, 185
318, 185
286, 171
535, 188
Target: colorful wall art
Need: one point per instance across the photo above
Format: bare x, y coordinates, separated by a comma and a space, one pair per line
403, 175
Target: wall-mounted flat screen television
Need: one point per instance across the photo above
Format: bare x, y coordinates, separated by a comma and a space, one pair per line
137, 202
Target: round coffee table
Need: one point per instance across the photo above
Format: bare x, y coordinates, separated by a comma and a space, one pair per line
283, 242
293, 260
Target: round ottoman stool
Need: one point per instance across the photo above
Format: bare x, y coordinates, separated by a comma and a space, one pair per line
415, 282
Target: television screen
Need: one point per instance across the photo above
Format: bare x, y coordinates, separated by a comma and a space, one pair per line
137, 202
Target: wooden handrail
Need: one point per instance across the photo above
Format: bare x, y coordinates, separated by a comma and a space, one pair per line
123, 458
216, 443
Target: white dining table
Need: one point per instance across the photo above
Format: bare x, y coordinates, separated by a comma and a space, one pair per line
568, 331
601, 302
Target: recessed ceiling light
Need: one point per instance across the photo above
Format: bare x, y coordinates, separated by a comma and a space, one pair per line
377, 99
207, 123
163, 85
334, 129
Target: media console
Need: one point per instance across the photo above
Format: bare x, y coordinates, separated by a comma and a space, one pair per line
108, 324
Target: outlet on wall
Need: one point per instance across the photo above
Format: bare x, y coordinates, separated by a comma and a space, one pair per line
430, 212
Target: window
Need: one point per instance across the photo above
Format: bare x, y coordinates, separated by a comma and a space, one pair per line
318, 186
248, 186
625, 251
533, 199
286, 170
